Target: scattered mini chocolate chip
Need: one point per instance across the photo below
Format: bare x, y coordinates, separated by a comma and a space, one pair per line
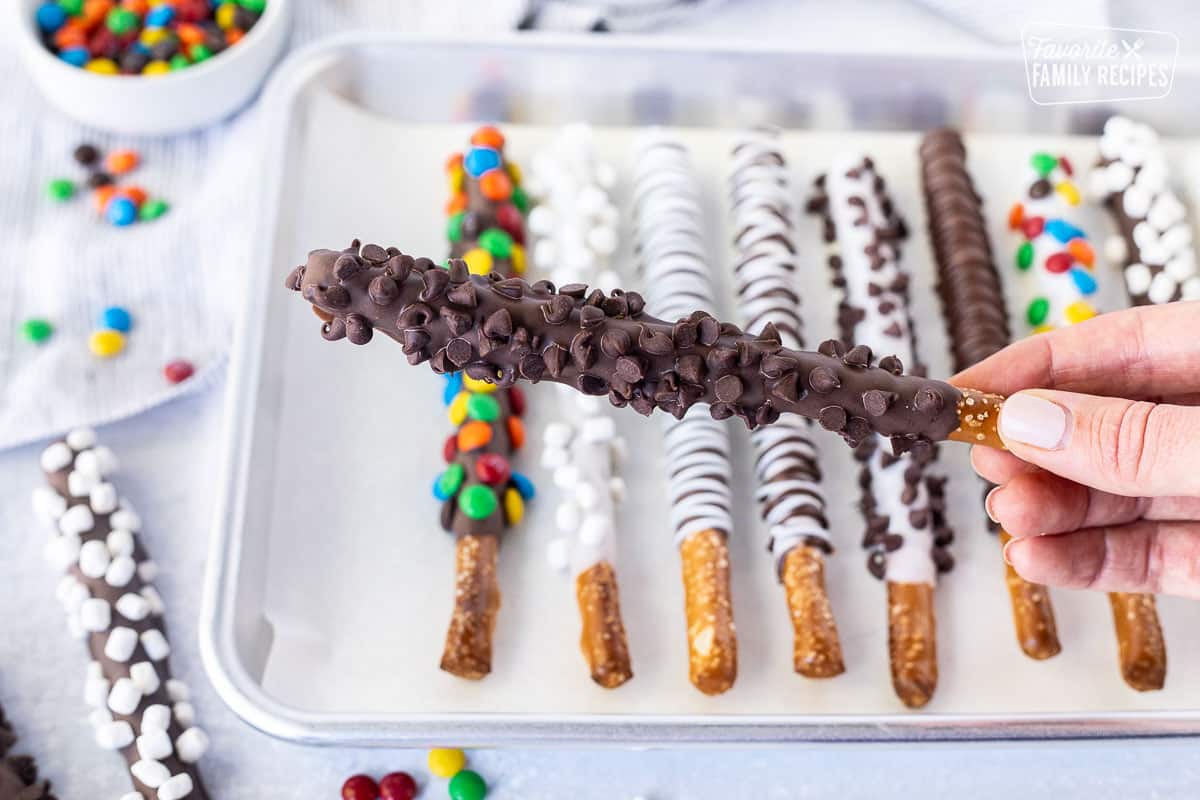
358, 329
832, 418
383, 290
877, 401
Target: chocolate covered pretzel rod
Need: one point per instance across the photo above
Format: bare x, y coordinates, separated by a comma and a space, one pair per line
1055, 252
575, 222
668, 224
480, 493
107, 592
19, 774
907, 536
786, 461
1154, 239
977, 326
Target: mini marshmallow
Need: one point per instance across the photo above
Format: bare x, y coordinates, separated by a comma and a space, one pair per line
541, 221
557, 434
177, 690
606, 174
80, 484
566, 477
1118, 176
57, 456
185, 715
145, 676
591, 199
1165, 211
75, 627
48, 505
147, 571
114, 735
132, 607
81, 439
156, 717
155, 644
603, 240
1177, 238
150, 772
1191, 289
176, 787
1114, 249
71, 593
154, 599
1137, 278
124, 697
120, 571
126, 518
554, 457
586, 495
1136, 202
1144, 235
95, 669
1182, 266
121, 643
95, 691
594, 529
1162, 289
99, 461
566, 516
154, 745
132, 796
597, 429
120, 542
62, 552
99, 717
558, 554
94, 558
545, 253
1097, 184
103, 498
191, 745
95, 614
76, 520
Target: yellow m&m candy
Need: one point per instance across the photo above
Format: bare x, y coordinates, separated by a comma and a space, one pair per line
106, 343
446, 762
479, 261
478, 386
1079, 311
514, 506
458, 408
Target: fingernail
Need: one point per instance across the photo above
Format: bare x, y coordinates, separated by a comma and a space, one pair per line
1035, 421
1007, 545
987, 503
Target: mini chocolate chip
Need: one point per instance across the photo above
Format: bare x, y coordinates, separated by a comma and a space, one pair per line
558, 309
393, 251
458, 271
770, 333
858, 429
556, 358
720, 411
858, 356
499, 324
892, 542
295, 278
334, 330
575, 291
690, 393
892, 364
943, 559
457, 322
928, 401
766, 414
592, 385
919, 518
374, 254
877, 401
615, 342
358, 329
729, 388
773, 365
482, 371
654, 342
596, 298
399, 266
728, 329
512, 288
532, 367
708, 330
684, 334
630, 368
690, 368
832, 348
617, 400
383, 290
615, 306
435, 281
543, 287
642, 404
721, 359
414, 315
337, 297
823, 380
748, 353
787, 387
635, 303
590, 317
414, 340
877, 564
347, 266
464, 294
458, 351
832, 418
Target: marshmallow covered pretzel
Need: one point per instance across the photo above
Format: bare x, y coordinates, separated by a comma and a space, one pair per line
906, 533
108, 594
789, 492
575, 222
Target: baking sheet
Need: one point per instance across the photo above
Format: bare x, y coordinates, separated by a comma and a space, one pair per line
354, 586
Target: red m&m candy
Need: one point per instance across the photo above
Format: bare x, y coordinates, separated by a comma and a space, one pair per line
511, 221
360, 787
398, 786
1059, 262
178, 371
516, 398
450, 448
492, 469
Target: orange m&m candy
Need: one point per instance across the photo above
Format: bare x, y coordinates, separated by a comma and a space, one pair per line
455, 161
121, 161
1015, 215
1082, 251
488, 136
473, 435
102, 195
516, 433
495, 185
135, 193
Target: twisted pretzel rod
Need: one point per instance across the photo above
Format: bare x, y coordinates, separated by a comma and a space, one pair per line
977, 324
791, 500
480, 493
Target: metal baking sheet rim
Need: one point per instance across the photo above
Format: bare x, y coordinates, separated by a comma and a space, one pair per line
246, 698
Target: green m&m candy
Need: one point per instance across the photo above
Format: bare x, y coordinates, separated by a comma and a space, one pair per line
497, 242
60, 190
1025, 255
450, 480
121, 20
36, 330
467, 785
520, 199
1044, 163
72, 7
152, 209
483, 407
1038, 310
180, 61
454, 226
477, 502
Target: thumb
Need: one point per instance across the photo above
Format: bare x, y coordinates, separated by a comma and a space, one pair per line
1119, 446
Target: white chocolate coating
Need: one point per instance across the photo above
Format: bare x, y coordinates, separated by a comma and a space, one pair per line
789, 489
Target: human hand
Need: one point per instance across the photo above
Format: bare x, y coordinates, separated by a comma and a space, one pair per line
1100, 488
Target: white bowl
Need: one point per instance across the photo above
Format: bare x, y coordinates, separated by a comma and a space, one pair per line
172, 103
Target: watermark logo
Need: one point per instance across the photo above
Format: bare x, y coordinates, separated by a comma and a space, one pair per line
1076, 64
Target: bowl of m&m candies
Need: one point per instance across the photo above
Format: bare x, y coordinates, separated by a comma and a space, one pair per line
150, 66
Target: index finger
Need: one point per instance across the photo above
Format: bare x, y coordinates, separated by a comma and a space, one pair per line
1149, 351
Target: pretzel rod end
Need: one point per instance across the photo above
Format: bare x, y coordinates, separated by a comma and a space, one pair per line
978, 416
816, 649
1033, 615
468, 650
603, 638
1142, 650
912, 642
712, 639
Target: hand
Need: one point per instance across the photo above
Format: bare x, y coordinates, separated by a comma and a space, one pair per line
1100, 488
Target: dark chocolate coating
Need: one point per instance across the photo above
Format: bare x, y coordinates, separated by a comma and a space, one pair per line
99, 587
559, 334
19, 774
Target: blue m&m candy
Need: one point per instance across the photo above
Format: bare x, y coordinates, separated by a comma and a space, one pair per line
160, 16
523, 485
1063, 231
51, 17
454, 383
115, 318
121, 211
479, 160
1084, 281
75, 56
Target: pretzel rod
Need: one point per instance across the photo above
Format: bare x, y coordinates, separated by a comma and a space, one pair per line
18, 774
479, 492
977, 326
789, 478
575, 222
1154, 240
902, 502
668, 223
138, 708
1056, 253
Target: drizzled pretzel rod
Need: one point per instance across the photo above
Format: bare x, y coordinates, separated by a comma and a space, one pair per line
107, 591
479, 492
1056, 254
977, 326
906, 536
670, 247
19, 774
574, 219
790, 498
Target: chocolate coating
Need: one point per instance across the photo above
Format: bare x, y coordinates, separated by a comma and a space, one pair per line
19, 774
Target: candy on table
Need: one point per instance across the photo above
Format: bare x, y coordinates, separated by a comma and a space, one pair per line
107, 593
467, 785
106, 343
61, 189
1153, 242
973, 306
446, 762
669, 226
791, 501
178, 371
136, 38
397, 786
480, 493
119, 205
902, 501
115, 318
582, 448
37, 330
360, 787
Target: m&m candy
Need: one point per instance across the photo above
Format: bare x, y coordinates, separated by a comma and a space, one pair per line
477, 502
446, 762
397, 786
115, 318
106, 343
121, 211
479, 160
37, 330
178, 371
467, 785
60, 189
360, 787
